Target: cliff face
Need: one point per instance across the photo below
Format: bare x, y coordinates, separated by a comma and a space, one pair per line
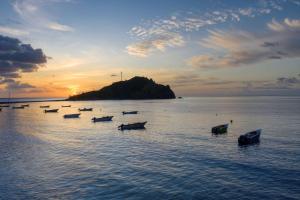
135, 88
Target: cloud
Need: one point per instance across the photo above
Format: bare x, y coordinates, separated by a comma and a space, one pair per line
16, 57
150, 32
12, 31
158, 41
32, 12
239, 48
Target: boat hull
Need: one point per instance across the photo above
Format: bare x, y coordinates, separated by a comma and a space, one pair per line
250, 138
51, 111
134, 126
220, 129
102, 119
130, 113
71, 116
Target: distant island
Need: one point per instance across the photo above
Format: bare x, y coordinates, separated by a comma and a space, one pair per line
135, 88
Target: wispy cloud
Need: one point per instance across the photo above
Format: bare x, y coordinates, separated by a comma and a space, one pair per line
12, 31
33, 13
157, 35
238, 48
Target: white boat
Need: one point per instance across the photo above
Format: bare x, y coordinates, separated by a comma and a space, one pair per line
102, 119
72, 115
134, 126
51, 111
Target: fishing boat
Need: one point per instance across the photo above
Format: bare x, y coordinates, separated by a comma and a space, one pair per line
85, 109
25, 105
67, 106
18, 107
220, 129
102, 119
51, 111
44, 106
250, 137
134, 126
129, 112
72, 115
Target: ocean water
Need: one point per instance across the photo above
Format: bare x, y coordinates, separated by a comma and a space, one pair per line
43, 156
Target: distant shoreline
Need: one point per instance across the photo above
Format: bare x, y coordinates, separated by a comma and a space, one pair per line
30, 101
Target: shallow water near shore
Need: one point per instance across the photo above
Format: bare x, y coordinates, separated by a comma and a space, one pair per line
46, 156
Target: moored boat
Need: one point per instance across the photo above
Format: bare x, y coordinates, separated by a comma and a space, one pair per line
250, 137
18, 107
25, 105
134, 126
220, 129
85, 109
66, 106
72, 115
44, 106
51, 111
102, 119
129, 112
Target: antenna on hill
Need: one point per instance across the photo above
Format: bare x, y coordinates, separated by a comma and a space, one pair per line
121, 76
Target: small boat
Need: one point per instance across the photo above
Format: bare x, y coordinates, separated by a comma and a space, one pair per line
18, 107
220, 129
102, 119
134, 126
129, 112
25, 105
44, 106
67, 106
72, 115
179, 97
250, 137
4, 106
51, 111
85, 109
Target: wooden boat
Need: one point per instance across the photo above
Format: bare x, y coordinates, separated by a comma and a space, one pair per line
102, 119
25, 105
18, 107
250, 137
51, 111
220, 129
85, 109
134, 126
68, 106
72, 115
129, 112
44, 106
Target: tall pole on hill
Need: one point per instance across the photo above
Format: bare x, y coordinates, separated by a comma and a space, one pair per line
121, 76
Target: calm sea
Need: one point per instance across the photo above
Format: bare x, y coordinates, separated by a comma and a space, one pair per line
43, 156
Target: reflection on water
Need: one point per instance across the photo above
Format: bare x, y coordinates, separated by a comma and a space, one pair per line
44, 155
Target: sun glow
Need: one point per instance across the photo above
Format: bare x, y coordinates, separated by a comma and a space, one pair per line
73, 89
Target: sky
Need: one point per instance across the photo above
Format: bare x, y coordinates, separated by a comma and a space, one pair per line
58, 48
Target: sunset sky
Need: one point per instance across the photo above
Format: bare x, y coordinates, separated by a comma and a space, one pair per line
56, 48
